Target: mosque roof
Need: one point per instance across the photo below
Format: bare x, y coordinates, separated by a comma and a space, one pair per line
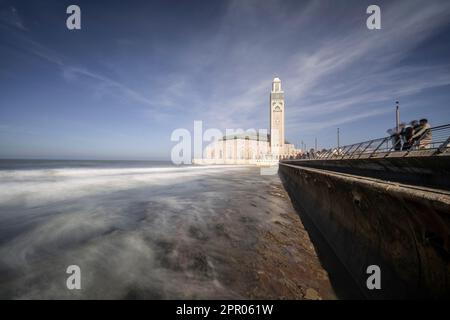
249, 136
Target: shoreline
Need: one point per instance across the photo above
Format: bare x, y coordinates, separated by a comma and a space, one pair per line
201, 234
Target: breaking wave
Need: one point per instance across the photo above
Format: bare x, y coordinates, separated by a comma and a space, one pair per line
135, 232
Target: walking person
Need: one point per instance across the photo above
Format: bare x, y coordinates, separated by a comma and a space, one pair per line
407, 135
423, 134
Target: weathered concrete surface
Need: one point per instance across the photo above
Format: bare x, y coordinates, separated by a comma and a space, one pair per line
402, 229
268, 254
428, 171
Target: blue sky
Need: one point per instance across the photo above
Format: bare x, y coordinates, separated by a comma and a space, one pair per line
137, 70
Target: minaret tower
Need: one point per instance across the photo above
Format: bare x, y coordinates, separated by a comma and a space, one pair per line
276, 118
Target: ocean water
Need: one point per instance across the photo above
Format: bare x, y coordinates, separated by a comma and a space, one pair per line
136, 229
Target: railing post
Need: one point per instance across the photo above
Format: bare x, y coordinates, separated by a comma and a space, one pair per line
395, 144
358, 149
346, 151
442, 147
368, 145
378, 147
359, 145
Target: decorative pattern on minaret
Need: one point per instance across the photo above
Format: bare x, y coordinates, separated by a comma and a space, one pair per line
276, 117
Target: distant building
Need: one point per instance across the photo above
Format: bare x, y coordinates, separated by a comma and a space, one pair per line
254, 147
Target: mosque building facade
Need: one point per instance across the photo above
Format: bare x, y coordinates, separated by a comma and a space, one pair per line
255, 147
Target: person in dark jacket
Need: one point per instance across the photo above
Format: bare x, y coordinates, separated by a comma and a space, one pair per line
407, 134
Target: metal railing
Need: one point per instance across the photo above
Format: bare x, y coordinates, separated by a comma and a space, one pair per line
390, 146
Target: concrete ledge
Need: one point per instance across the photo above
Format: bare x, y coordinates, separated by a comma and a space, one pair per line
403, 229
256, 162
432, 171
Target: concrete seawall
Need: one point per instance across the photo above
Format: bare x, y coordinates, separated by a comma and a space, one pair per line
404, 230
425, 171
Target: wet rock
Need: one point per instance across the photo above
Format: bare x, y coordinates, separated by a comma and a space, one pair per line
312, 294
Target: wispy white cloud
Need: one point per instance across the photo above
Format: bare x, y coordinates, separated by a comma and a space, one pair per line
73, 73
328, 78
10, 17
332, 84
319, 125
333, 69
362, 67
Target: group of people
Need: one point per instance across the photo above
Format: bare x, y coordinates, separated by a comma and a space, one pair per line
311, 154
416, 133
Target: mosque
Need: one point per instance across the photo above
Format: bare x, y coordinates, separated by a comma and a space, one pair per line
255, 147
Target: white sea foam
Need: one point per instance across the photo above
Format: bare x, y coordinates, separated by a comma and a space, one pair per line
135, 232
37, 187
